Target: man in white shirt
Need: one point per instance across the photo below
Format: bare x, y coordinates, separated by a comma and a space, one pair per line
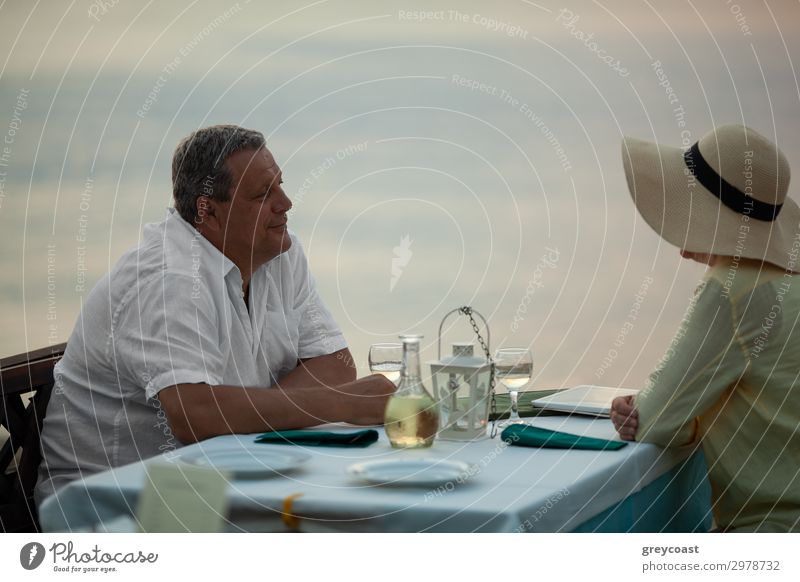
211, 326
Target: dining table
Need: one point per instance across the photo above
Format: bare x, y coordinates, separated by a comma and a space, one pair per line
638, 488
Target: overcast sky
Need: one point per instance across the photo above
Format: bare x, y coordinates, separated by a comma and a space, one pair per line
486, 135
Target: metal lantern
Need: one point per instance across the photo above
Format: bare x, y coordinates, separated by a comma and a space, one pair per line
462, 384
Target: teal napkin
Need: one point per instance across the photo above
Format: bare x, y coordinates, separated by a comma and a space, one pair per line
532, 436
317, 438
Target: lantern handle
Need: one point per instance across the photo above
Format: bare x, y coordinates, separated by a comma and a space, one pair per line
468, 311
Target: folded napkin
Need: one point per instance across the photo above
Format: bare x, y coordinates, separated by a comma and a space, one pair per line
532, 436
318, 438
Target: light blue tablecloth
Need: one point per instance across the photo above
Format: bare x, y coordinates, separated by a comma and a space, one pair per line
638, 488
678, 501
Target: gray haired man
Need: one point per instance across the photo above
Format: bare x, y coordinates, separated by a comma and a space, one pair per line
211, 326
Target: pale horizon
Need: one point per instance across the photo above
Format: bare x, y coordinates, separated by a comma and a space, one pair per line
371, 116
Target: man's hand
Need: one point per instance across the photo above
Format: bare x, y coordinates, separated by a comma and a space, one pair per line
366, 399
625, 417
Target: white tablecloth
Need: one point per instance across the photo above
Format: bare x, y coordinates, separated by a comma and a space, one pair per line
515, 488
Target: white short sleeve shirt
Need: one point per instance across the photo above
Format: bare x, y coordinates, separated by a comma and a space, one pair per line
172, 312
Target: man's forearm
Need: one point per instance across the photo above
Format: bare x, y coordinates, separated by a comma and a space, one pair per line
328, 370
199, 411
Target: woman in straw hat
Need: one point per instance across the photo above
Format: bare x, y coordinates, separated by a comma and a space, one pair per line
731, 378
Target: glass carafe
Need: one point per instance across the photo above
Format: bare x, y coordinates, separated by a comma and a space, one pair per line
412, 416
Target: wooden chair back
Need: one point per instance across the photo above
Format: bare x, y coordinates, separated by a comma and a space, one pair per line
26, 382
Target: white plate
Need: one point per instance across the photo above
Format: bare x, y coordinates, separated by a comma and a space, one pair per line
413, 472
247, 463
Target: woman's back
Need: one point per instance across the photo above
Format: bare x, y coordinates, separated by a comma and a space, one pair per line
757, 437
732, 379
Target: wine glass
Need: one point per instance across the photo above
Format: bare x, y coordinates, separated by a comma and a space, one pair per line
386, 359
514, 368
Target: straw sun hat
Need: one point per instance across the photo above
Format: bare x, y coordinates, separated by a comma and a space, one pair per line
725, 195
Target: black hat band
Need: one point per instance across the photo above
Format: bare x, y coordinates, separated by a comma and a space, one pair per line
728, 194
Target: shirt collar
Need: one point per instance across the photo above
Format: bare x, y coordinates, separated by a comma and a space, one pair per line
180, 237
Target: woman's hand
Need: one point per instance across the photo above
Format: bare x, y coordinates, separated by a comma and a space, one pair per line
625, 417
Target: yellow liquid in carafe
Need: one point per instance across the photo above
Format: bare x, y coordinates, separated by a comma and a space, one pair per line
411, 421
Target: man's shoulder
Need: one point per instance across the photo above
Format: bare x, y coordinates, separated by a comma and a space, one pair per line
165, 248
151, 265
135, 270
